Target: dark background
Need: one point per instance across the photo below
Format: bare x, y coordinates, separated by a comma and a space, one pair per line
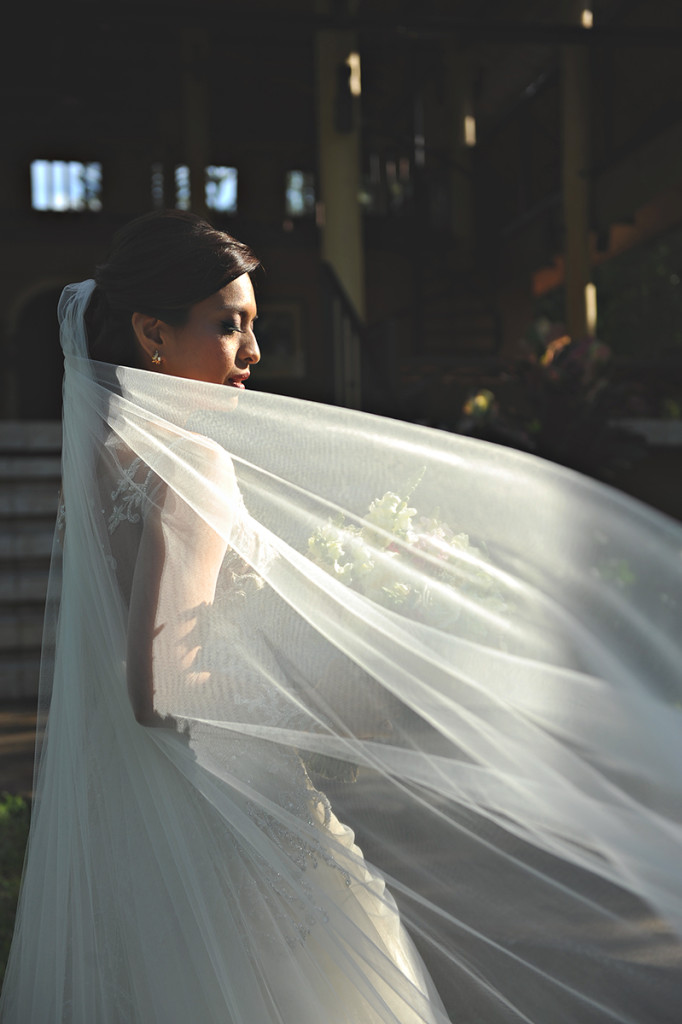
467, 256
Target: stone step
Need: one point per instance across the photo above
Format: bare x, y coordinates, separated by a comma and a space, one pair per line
26, 467
28, 499
30, 471
659, 433
30, 435
21, 585
26, 539
19, 675
21, 629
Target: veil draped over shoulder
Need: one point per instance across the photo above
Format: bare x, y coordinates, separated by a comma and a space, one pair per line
415, 750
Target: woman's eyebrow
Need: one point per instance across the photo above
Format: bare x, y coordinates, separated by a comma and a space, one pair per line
232, 309
238, 310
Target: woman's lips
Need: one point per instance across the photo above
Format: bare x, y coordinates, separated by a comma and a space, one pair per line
236, 384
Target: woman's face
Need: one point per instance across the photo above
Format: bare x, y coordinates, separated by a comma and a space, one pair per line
217, 343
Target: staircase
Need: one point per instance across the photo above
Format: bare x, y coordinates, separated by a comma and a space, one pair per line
29, 490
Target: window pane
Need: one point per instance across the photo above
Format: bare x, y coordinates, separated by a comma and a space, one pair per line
221, 189
157, 186
40, 184
76, 189
92, 186
183, 194
59, 185
300, 194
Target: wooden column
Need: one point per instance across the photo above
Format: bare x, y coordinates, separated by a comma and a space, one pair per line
339, 167
576, 183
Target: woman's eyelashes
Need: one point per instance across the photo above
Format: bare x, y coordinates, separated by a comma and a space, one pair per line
230, 328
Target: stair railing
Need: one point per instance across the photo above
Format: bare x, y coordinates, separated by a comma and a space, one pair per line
346, 330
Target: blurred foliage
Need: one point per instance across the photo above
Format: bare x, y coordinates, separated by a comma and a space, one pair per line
15, 813
640, 319
561, 397
557, 400
640, 299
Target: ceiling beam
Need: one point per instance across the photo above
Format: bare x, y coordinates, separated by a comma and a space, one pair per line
418, 26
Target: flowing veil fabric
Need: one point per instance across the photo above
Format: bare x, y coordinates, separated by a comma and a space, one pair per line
467, 656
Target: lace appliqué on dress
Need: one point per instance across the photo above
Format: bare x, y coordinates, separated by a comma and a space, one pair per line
298, 912
130, 497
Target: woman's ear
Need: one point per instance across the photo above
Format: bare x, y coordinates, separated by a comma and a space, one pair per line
148, 334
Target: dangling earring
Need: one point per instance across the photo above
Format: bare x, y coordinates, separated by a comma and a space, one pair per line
156, 358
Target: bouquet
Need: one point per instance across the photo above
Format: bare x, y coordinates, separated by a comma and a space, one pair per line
409, 563
413, 565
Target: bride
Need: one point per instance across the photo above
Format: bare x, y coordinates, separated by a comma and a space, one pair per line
260, 606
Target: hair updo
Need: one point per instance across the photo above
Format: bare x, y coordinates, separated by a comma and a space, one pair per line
160, 264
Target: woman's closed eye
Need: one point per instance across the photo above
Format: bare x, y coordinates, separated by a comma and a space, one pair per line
231, 328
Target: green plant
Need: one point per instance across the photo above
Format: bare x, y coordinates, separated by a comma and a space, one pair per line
558, 400
15, 813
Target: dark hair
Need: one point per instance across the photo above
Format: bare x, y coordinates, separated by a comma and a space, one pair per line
160, 264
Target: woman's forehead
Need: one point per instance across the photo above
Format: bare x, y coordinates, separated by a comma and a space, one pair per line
237, 296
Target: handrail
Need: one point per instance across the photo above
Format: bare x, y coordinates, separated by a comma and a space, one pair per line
346, 331
337, 287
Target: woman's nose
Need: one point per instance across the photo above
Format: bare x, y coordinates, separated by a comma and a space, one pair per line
250, 351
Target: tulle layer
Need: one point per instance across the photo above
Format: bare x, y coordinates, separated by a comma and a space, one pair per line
416, 758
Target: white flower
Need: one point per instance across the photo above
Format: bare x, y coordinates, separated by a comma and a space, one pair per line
326, 545
395, 575
392, 514
361, 557
343, 571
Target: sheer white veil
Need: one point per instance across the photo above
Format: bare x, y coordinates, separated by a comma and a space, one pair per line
473, 653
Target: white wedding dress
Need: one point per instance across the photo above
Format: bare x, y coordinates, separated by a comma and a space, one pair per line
500, 677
